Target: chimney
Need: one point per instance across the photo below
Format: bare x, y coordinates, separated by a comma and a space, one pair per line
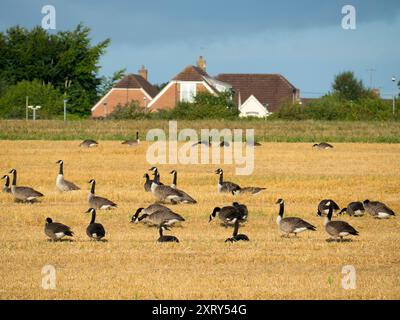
143, 72
201, 63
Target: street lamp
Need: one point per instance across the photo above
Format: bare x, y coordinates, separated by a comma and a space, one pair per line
394, 93
34, 108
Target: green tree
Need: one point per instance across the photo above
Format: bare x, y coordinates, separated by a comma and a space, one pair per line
13, 103
52, 59
347, 87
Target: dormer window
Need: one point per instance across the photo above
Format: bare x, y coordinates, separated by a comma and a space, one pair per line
188, 91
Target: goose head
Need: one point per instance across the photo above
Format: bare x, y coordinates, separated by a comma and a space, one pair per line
280, 201
173, 172
49, 220
219, 171
136, 215
146, 175
13, 171
91, 181
91, 210
214, 213
366, 201
59, 162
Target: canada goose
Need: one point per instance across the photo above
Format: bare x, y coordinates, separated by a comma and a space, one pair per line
224, 143
355, 209
338, 229
6, 187
25, 194
88, 143
166, 193
163, 238
228, 215
252, 143
174, 178
96, 201
148, 182
94, 230
159, 217
205, 143
251, 190
131, 143
323, 207
56, 231
155, 207
322, 146
378, 210
61, 183
225, 186
235, 236
291, 224
242, 209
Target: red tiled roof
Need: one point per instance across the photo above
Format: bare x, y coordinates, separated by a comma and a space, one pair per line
191, 73
135, 81
271, 89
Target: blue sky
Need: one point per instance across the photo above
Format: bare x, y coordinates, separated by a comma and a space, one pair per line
303, 40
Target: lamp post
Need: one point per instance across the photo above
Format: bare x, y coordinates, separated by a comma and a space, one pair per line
26, 106
65, 110
34, 108
394, 93
67, 84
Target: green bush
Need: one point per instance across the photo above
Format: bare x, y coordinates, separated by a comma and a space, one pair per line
131, 111
13, 101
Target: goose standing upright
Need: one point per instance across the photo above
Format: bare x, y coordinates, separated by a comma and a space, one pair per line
132, 143
378, 210
166, 193
56, 231
95, 230
6, 188
62, 184
174, 178
147, 183
25, 194
225, 186
235, 236
291, 224
96, 201
338, 229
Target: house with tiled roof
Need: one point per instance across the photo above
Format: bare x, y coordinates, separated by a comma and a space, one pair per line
185, 85
259, 95
132, 87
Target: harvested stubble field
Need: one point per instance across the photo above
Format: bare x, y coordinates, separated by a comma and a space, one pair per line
132, 266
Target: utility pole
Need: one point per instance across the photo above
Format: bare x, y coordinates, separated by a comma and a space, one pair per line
26, 107
394, 94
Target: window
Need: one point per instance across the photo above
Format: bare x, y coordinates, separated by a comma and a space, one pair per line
188, 91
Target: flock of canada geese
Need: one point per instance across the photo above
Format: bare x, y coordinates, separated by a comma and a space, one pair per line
159, 215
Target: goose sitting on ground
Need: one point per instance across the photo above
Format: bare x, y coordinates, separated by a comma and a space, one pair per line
56, 231
95, 230
323, 207
225, 186
96, 201
147, 183
132, 143
250, 190
203, 142
88, 143
62, 184
224, 143
354, 209
291, 224
156, 214
252, 143
322, 146
338, 229
6, 188
24, 194
378, 210
228, 215
174, 178
164, 238
235, 236
168, 194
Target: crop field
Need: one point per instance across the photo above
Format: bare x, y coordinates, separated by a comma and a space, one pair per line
131, 265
